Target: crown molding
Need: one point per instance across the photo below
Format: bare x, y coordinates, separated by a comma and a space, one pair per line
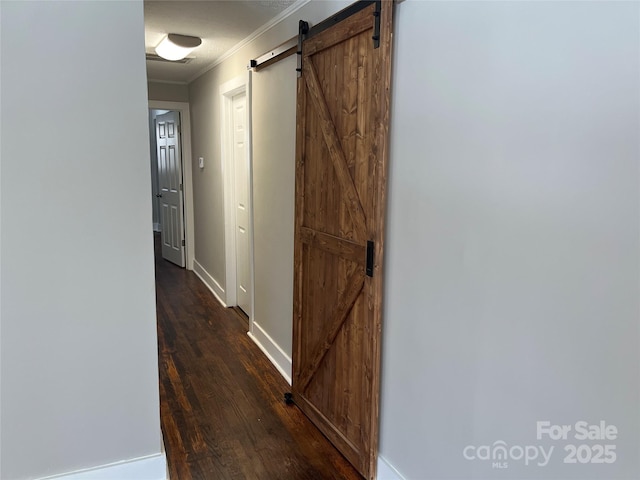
171, 82
271, 23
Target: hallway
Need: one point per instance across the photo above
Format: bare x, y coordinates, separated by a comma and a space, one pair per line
222, 409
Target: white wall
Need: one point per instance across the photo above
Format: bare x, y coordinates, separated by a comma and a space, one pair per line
78, 348
274, 145
169, 92
512, 261
1, 121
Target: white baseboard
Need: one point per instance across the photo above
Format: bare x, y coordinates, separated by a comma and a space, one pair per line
153, 467
210, 282
386, 471
272, 350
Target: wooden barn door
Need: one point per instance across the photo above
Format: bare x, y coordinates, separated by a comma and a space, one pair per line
341, 165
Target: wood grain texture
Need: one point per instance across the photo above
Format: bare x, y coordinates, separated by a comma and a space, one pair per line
336, 153
342, 129
298, 252
344, 248
331, 327
358, 23
382, 67
221, 400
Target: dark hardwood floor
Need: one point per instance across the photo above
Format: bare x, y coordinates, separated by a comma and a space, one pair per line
222, 409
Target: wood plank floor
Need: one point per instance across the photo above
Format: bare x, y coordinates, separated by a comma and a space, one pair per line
222, 409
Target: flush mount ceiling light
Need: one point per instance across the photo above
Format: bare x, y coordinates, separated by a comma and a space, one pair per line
176, 47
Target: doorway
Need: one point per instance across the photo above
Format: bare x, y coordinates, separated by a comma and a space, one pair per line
171, 202
181, 108
235, 98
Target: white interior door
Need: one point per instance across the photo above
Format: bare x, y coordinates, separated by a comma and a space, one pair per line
170, 187
241, 175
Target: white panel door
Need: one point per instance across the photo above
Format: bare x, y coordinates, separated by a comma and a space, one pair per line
241, 175
170, 188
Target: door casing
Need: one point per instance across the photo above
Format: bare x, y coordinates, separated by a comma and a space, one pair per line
240, 84
243, 281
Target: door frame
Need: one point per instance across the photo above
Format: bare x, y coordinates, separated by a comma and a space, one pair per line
187, 171
239, 84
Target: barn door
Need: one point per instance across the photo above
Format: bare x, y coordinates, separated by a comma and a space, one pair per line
342, 126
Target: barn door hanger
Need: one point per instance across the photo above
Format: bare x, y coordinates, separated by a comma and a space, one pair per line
303, 29
376, 24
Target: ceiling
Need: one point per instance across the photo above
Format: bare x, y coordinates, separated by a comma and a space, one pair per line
220, 24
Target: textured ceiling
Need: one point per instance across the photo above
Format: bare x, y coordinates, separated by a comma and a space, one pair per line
220, 24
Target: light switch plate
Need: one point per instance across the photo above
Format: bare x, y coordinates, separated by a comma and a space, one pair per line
201, 162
